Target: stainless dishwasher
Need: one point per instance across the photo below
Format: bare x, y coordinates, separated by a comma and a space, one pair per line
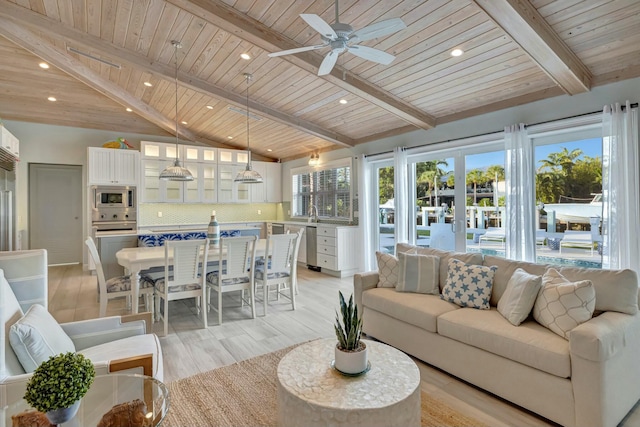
312, 248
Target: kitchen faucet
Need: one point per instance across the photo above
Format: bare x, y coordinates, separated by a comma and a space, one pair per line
313, 213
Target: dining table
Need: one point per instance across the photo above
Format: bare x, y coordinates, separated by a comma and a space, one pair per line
138, 259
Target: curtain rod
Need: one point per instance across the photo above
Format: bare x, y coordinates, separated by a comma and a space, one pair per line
634, 105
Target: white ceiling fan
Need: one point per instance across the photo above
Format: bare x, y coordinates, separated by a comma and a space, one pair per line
342, 38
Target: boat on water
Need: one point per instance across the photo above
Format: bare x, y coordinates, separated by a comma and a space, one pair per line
579, 213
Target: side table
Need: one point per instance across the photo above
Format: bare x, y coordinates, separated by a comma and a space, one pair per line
312, 393
106, 392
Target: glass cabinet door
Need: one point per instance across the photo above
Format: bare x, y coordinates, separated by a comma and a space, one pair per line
151, 181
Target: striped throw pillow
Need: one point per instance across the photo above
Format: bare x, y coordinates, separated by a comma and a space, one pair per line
418, 273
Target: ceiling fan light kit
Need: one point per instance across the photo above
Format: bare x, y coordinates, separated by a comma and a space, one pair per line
248, 175
176, 172
342, 38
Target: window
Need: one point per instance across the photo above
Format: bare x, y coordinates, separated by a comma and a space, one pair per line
327, 188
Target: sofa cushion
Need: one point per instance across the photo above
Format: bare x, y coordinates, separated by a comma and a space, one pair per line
37, 336
506, 268
128, 347
445, 256
387, 270
10, 312
418, 273
616, 290
518, 299
421, 310
562, 305
468, 285
530, 343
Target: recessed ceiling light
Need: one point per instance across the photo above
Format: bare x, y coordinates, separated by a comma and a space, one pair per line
210, 107
230, 137
245, 56
184, 123
52, 99
456, 52
44, 65
147, 84
269, 150
129, 109
343, 101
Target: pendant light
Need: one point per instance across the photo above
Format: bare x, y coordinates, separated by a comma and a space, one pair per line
248, 176
176, 172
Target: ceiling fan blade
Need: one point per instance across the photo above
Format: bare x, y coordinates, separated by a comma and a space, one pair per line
328, 62
320, 25
371, 54
296, 50
378, 29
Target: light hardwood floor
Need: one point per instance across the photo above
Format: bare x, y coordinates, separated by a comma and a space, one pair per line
188, 349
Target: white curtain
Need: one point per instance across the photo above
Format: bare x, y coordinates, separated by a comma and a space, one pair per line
367, 215
401, 195
620, 186
520, 194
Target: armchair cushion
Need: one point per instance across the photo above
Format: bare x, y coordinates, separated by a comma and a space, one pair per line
125, 348
37, 336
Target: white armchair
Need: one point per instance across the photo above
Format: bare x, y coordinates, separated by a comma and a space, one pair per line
112, 343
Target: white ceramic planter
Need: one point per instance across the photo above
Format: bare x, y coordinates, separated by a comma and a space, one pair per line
62, 415
351, 362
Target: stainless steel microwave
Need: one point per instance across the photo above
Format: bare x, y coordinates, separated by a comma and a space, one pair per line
113, 197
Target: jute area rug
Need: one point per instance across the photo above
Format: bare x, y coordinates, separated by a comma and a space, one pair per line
245, 394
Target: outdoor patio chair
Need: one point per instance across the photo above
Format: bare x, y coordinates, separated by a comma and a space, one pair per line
577, 239
493, 234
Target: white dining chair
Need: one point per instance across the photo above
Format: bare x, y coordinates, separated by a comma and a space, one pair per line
278, 268
234, 272
184, 277
119, 286
294, 276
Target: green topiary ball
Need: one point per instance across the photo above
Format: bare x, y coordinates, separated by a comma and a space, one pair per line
59, 382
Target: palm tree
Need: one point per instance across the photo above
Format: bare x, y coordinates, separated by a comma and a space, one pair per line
429, 173
494, 174
562, 163
476, 176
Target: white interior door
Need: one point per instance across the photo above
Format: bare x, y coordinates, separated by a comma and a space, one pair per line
55, 211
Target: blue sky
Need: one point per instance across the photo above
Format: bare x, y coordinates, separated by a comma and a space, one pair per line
589, 147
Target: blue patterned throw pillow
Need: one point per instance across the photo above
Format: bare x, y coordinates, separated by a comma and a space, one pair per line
468, 285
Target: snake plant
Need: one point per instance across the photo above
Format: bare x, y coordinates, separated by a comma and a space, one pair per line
349, 332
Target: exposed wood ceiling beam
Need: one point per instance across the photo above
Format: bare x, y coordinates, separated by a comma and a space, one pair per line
52, 54
520, 20
229, 19
76, 37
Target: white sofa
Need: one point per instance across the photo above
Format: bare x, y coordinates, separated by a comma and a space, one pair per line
111, 343
591, 379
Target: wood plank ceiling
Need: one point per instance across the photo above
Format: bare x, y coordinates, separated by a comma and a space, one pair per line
515, 52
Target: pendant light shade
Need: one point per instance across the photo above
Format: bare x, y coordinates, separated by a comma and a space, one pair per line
248, 175
176, 172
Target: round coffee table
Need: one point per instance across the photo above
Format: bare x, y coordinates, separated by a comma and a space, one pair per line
312, 393
105, 392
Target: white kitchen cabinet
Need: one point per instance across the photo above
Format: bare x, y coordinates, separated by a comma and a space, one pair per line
112, 166
232, 156
270, 191
337, 250
201, 162
302, 252
230, 191
9, 143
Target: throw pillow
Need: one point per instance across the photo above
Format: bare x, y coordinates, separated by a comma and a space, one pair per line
519, 296
562, 305
418, 273
387, 270
468, 285
37, 336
